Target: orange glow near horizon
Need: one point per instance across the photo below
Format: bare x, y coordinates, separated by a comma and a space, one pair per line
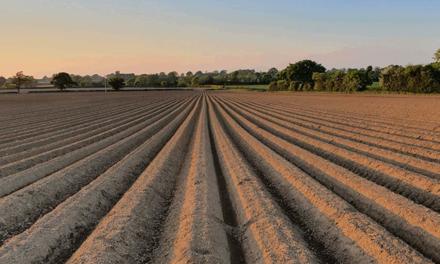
43, 37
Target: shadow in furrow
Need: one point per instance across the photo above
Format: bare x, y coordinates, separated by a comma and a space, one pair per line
318, 249
229, 216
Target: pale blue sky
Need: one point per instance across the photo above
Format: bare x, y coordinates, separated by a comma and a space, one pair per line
45, 36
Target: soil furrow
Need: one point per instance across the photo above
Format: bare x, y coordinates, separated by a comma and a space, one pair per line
219, 177
81, 124
369, 126
22, 208
83, 210
128, 232
416, 224
365, 135
431, 169
69, 147
389, 142
194, 231
45, 117
350, 235
398, 125
20, 179
66, 122
419, 188
106, 105
266, 234
92, 130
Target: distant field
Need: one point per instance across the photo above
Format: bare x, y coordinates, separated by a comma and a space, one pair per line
219, 177
91, 89
261, 87
375, 87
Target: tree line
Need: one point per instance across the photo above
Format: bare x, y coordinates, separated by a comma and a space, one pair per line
306, 75
63, 80
173, 79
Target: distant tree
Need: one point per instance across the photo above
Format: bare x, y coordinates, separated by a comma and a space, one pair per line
76, 78
302, 71
412, 78
298, 86
206, 79
422, 78
221, 78
280, 85
131, 81
20, 80
195, 81
198, 73
86, 81
373, 74
62, 80
273, 72
172, 79
353, 81
116, 82
182, 83
437, 56
2, 81
368, 75
266, 78
97, 80
273, 86
282, 75
141, 81
234, 77
319, 78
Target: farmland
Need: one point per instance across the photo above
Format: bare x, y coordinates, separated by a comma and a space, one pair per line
219, 177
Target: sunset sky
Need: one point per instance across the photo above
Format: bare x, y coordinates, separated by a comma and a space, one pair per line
42, 37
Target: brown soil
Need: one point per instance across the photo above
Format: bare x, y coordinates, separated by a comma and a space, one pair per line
219, 177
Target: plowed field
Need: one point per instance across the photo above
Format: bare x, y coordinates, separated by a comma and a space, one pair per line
218, 177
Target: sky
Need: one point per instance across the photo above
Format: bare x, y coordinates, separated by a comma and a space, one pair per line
42, 37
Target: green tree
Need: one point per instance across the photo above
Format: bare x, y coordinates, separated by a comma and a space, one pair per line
62, 80
86, 81
335, 81
302, 71
393, 78
280, 85
206, 79
273, 72
172, 79
353, 81
182, 83
131, 81
195, 81
2, 81
233, 79
20, 80
437, 56
319, 78
273, 86
141, 80
296, 86
116, 82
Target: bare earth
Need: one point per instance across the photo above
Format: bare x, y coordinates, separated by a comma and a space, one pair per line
218, 177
